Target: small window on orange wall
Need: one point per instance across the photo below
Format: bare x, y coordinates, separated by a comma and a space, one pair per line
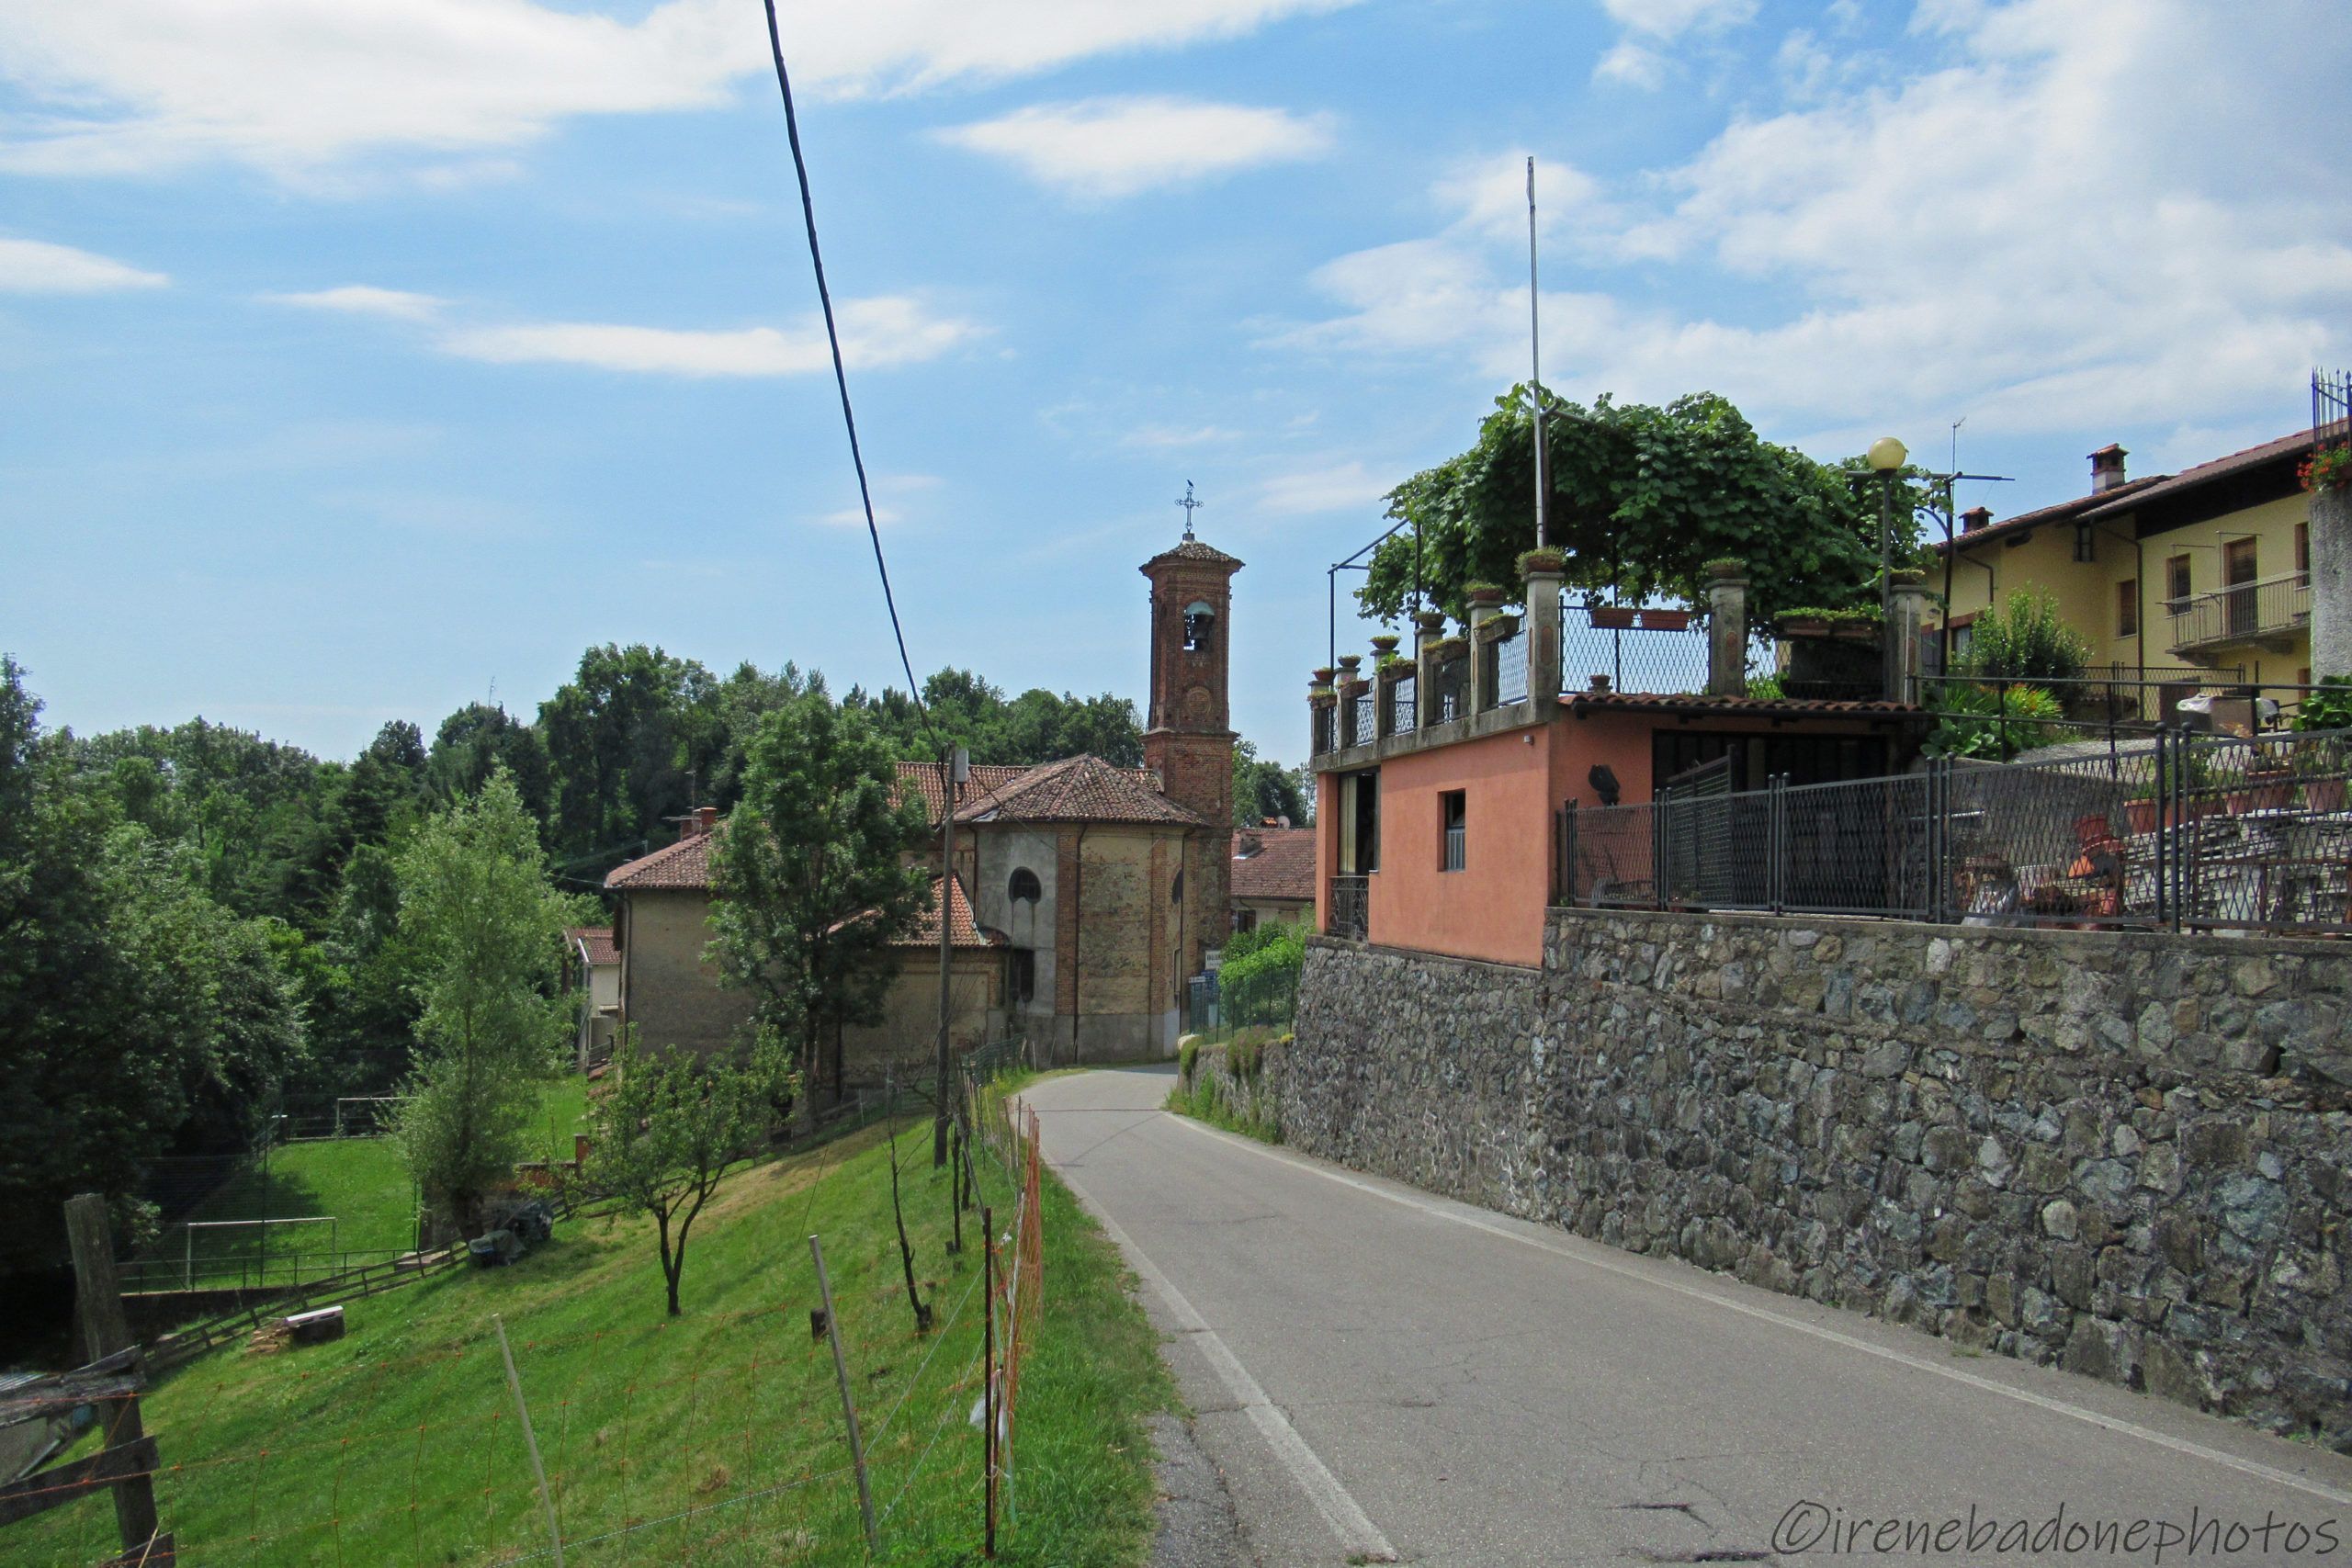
1454, 820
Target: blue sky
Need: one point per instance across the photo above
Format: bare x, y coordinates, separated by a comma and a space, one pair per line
361, 357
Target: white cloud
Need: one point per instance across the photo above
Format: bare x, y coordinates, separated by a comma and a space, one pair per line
875, 334
1337, 487
1672, 18
1111, 147
1161, 437
36, 267
855, 517
364, 300
2085, 212
1639, 58
308, 91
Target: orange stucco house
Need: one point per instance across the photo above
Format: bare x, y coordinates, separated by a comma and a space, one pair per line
1443, 781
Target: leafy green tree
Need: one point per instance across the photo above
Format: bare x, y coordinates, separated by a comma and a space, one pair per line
1035, 727
477, 740
668, 1125
619, 737
1640, 499
484, 931
247, 807
137, 1015
811, 886
1262, 790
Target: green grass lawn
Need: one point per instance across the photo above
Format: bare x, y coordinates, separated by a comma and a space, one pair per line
718, 1434
359, 1181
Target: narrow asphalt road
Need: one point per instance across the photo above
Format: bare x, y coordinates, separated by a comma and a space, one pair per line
1379, 1375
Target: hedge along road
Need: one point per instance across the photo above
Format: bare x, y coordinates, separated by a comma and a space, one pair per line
1380, 1374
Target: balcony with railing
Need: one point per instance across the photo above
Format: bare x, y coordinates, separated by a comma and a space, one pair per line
1350, 907
2270, 613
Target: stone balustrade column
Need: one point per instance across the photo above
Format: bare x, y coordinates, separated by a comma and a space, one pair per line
1907, 604
1481, 677
2331, 534
1727, 633
1542, 630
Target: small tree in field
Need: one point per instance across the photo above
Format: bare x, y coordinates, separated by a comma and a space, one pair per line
811, 888
669, 1125
484, 933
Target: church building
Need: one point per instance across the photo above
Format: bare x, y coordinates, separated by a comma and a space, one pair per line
1084, 894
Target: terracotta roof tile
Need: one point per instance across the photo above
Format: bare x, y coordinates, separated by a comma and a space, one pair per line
964, 930
685, 864
2284, 447
2058, 513
1282, 867
1193, 550
1078, 789
598, 941
923, 779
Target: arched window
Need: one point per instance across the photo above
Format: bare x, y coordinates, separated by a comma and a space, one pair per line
1024, 885
1199, 618
1176, 889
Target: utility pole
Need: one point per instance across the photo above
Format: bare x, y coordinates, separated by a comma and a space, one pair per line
1535, 361
953, 768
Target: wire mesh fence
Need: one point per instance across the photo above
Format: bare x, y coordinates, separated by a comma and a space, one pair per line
709, 1438
2177, 831
1217, 1007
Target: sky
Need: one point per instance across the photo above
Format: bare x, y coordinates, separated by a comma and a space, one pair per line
366, 360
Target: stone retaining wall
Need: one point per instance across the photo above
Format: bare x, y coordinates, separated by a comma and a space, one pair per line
2127, 1153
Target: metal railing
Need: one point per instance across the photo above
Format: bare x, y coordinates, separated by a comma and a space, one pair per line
2331, 408
1509, 667
2276, 606
1350, 907
1403, 715
1363, 715
2047, 718
1657, 651
1325, 727
2174, 831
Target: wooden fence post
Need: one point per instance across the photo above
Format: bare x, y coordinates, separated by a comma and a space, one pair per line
105, 1330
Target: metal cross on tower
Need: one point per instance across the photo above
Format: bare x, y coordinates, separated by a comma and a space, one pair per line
1189, 507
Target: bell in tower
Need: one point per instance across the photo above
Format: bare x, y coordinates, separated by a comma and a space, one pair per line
1188, 736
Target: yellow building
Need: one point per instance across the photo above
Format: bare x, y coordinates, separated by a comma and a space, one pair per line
2203, 574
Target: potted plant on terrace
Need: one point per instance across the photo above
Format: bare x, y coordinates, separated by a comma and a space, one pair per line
2320, 764
1543, 559
1667, 620
1482, 593
2330, 467
1498, 627
1612, 618
1383, 646
1431, 620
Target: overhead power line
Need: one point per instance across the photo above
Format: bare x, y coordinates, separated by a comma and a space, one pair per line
840, 376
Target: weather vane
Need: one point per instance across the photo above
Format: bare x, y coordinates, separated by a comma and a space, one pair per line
1189, 507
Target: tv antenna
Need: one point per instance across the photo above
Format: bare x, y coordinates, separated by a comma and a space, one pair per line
1189, 507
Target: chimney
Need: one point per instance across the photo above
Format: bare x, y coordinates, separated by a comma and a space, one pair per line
706, 819
1726, 630
2107, 468
1975, 517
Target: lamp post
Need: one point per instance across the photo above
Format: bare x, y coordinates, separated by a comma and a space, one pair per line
1887, 457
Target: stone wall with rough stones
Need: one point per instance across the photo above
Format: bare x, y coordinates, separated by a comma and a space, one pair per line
2127, 1153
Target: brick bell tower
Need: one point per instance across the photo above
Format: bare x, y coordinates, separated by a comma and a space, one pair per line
1188, 737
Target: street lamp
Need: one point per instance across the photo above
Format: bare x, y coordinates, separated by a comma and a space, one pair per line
1886, 458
